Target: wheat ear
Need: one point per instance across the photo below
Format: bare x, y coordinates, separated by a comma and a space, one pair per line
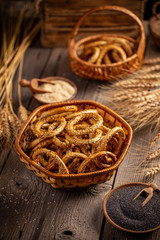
153, 171
153, 155
6, 127
155, 139
22, 111
151, 61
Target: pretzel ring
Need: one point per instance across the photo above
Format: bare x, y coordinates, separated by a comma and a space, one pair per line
51, 131
94, 44
47, 143
124, 43
77, 141
108, 48
60, 143
63, 114
71, 123
72, 155
73, 115
85, 149
90, 160
108, 160
107, 59
73, 160
35, 142
102, 127
54, 159
58, 110
95, 55
109, 136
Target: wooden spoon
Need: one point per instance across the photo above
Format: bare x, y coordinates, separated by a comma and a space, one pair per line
34, 84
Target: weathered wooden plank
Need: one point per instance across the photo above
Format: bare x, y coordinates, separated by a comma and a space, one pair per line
60, 22
137, 8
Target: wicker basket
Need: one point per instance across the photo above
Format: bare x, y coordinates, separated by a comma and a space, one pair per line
112, 71
154, 25
76, 180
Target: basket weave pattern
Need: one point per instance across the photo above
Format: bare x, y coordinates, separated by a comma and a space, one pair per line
106, 72
57, 180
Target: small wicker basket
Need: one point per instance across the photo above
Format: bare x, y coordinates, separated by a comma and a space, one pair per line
154, 24
105, 72
83, 179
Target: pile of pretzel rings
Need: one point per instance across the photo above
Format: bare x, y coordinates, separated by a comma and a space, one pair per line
67, 140
107, 50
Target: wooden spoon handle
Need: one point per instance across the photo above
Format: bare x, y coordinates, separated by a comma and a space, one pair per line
24, 83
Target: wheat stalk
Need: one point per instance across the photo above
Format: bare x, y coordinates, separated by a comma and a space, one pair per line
12, 51
149, 76
151, 61
23, 113
137, 98
147, 69
153, 155
153, 171
155, 139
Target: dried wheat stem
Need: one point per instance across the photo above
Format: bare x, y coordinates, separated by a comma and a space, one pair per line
130, 96
16, 120
6, 127
138, 121
153, 171
149, 69
148, 76
136, 83
147, 96
8, 61
1, 127
153, 155
12, 125
155, 139
126, 70
144, 96
147, 104
19, 79
11, 52
23, 113
151, 61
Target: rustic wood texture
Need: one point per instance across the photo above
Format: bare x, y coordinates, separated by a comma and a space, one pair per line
32, 209
58, 22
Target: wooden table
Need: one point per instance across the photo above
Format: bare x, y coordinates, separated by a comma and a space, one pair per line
32, 209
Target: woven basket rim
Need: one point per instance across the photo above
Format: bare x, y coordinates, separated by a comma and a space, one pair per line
80, 175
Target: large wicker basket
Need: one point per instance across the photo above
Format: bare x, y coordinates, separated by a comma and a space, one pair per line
112, 71
83, 179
